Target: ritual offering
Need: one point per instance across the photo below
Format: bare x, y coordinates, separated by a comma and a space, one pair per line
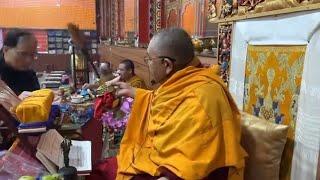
77, 99
106, 99
114, 121
81, 113
46, 177
85, 94
35, 108
104, 88
78, 107
41, 126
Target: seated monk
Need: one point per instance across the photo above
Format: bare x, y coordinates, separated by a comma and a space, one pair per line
188, 128
105, 75
127, 74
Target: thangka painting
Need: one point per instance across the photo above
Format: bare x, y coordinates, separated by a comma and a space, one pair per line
224, 50
272, 86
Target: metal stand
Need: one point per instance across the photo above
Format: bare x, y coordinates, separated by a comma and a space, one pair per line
74, 73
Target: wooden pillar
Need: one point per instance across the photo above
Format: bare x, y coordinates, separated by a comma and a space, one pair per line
144, 21
104, 18
121, 32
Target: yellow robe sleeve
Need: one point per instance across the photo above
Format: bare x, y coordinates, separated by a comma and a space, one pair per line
137, 82
135, 135
219, 105
201, 135
138, 118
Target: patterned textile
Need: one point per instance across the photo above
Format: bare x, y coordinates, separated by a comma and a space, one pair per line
158, 15
114, 123
137, 82
224, 51
272, 86
155, 16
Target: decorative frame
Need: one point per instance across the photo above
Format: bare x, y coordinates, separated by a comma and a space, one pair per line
248, 9
224, 50
303, 31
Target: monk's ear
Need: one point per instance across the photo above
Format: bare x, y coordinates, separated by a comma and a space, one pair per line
169, 66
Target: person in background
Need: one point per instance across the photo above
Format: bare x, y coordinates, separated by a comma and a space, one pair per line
18, 53
127, 74
188, 128
105, 75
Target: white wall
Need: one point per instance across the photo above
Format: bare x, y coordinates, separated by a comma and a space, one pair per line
293, 29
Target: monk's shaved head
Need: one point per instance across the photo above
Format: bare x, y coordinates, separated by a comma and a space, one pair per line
105, 68
174, 43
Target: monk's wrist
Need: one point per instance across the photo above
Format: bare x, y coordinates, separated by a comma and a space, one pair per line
133, 92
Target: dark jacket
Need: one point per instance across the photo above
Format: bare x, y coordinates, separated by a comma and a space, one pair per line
18, 81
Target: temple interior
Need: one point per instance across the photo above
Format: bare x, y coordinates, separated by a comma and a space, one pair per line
159, 89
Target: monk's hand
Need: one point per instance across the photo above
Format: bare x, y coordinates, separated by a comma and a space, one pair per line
124, 89
24, 95
113, 81
86, 86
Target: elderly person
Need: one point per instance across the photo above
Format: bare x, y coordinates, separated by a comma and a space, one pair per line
188, 128
105, 75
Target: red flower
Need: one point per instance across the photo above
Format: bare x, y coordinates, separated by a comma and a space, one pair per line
102, 103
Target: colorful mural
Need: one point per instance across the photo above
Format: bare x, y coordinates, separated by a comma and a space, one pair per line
272, 85
188, 18
129, 16
224, 50
124, 21
156, 16
230, 8
172, 20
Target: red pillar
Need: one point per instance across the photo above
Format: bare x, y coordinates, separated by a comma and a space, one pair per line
163, 15
144, 22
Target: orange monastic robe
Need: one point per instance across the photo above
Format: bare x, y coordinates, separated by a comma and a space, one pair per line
189, 125
137, 82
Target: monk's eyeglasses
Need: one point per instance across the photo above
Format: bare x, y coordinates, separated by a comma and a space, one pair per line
148, 59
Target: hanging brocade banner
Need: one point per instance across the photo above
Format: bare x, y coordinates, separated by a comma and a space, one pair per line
272, 86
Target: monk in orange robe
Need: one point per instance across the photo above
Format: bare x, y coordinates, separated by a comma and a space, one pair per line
127, 74
188, 128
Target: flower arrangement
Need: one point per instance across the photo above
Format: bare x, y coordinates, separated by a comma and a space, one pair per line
115, 119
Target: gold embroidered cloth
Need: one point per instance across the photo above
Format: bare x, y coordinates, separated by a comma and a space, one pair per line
272, 85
